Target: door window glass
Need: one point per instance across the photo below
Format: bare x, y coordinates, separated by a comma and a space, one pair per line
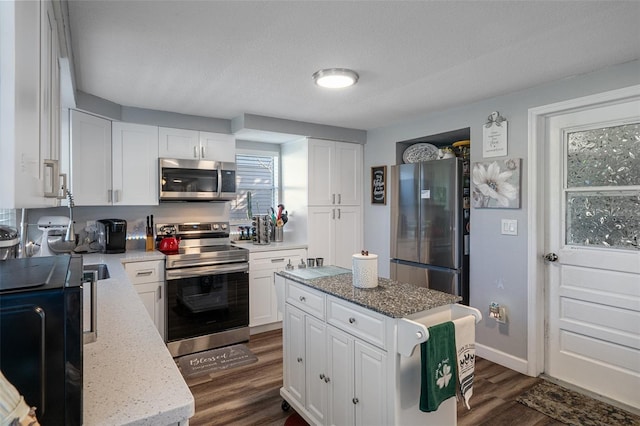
603, 187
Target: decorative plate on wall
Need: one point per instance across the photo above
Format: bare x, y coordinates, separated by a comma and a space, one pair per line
420, 152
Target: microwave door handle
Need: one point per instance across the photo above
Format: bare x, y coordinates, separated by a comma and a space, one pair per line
219, 182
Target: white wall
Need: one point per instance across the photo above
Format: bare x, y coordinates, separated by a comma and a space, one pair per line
498, 262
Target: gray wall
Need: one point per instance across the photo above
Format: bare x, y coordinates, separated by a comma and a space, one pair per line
498, 262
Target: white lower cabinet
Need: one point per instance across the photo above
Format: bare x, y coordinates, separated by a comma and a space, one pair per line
262, 295
331, 375
147, 278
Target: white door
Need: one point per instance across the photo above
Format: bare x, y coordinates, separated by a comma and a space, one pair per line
593, 261
178, 143
348, 235
347, 176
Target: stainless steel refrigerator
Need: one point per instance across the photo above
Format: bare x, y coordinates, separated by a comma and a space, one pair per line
430, 225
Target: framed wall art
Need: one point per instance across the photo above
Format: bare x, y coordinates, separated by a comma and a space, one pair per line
496, 184
379, 185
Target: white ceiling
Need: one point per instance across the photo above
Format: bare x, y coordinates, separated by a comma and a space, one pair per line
225, 58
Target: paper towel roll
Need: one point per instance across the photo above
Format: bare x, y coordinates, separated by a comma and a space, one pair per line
365, 270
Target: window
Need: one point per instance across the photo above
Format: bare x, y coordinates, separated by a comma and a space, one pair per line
257, 173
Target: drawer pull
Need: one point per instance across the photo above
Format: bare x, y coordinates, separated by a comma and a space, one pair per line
143, 273
352, 320
327, 379
321, 376
280, 259
303, 299
355, 400
299, 359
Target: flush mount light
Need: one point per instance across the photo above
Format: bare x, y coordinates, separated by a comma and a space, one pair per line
335, 78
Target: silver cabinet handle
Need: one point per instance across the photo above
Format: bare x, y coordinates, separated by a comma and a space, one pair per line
159, 292
321, 376
339, 213
280, 259
327, 379
202, 152
303, 299
144, 273
352, 320
110, 195
116, 195
333, 213
299, 359
333, 198
195, 151
355, 400
551, 257
339, 198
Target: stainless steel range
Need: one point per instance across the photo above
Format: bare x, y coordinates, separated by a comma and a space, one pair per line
207, 288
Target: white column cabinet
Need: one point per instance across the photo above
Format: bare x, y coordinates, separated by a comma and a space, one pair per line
148, 279
335, 233
262, 295
135, 164
335, 173
195, 145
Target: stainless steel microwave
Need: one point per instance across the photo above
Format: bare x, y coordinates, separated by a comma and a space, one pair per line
197, 180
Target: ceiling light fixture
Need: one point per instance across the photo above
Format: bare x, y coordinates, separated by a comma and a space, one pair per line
335, 78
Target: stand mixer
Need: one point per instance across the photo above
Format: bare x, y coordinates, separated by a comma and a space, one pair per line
53, 241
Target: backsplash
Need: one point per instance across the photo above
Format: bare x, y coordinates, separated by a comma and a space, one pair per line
134, 215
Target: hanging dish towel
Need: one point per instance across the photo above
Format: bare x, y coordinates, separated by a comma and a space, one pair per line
438, 372
466, 353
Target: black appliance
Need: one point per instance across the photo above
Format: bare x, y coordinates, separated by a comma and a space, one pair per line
112, 235
430, 225
207, 288
41, 334
196, 180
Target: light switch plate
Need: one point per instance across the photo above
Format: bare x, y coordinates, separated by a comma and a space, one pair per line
509, 227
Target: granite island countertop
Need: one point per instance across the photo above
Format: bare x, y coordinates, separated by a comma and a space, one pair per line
129, 375
391, 298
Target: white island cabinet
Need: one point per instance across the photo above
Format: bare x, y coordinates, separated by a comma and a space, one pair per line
352, 356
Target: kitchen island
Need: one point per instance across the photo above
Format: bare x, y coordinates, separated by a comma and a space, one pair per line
352, 355
129, 376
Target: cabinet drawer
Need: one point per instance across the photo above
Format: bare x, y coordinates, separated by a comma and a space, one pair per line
275, 259
310, 301
145, 272
358, 321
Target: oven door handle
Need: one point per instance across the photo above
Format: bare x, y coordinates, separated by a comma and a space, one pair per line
176, 274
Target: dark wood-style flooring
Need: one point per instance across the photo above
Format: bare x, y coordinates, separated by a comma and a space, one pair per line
250, 394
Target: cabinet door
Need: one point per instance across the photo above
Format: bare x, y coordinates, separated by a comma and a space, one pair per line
262, 298
320, 233
135, 164
152, 296
91, 159
348, 235
321, 171
294, 355
317, 379
370, 385
178, 143
218, 147
347, 174
341, 410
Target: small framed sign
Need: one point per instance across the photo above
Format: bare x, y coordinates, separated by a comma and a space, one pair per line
379, 185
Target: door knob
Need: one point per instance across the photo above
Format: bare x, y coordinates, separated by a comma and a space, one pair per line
551, 257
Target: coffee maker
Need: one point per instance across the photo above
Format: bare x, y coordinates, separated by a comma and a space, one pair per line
112, 235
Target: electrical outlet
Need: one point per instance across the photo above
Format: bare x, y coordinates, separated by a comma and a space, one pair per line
497, 312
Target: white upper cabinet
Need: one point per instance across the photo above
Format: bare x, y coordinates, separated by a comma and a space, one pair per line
113, 164
195, 145
91, 160
135, 164
335, 173
30, 111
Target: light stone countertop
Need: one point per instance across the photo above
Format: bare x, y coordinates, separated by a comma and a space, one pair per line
390, 298
129, 375
273, 246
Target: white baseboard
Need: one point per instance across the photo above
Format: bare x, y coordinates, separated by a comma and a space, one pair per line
517, 364
264, 328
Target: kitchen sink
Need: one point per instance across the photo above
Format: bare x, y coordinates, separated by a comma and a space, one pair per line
100, 268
